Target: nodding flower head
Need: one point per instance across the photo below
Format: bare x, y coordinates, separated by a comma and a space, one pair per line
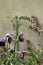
21, 56
9, 37
12, 51
21, 38
2, 41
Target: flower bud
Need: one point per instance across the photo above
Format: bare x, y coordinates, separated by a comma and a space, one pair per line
21, 38
12, 51
21, 56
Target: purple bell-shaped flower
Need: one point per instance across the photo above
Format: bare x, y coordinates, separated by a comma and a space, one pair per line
9, 38
2, 41
21, 38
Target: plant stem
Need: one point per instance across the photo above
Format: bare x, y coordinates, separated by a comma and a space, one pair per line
17, 33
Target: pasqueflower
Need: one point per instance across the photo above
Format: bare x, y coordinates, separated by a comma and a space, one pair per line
2, 41
21, 38
9, 37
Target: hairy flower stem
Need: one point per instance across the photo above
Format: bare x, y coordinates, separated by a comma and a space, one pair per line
14, 50
17, 33
7, 47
